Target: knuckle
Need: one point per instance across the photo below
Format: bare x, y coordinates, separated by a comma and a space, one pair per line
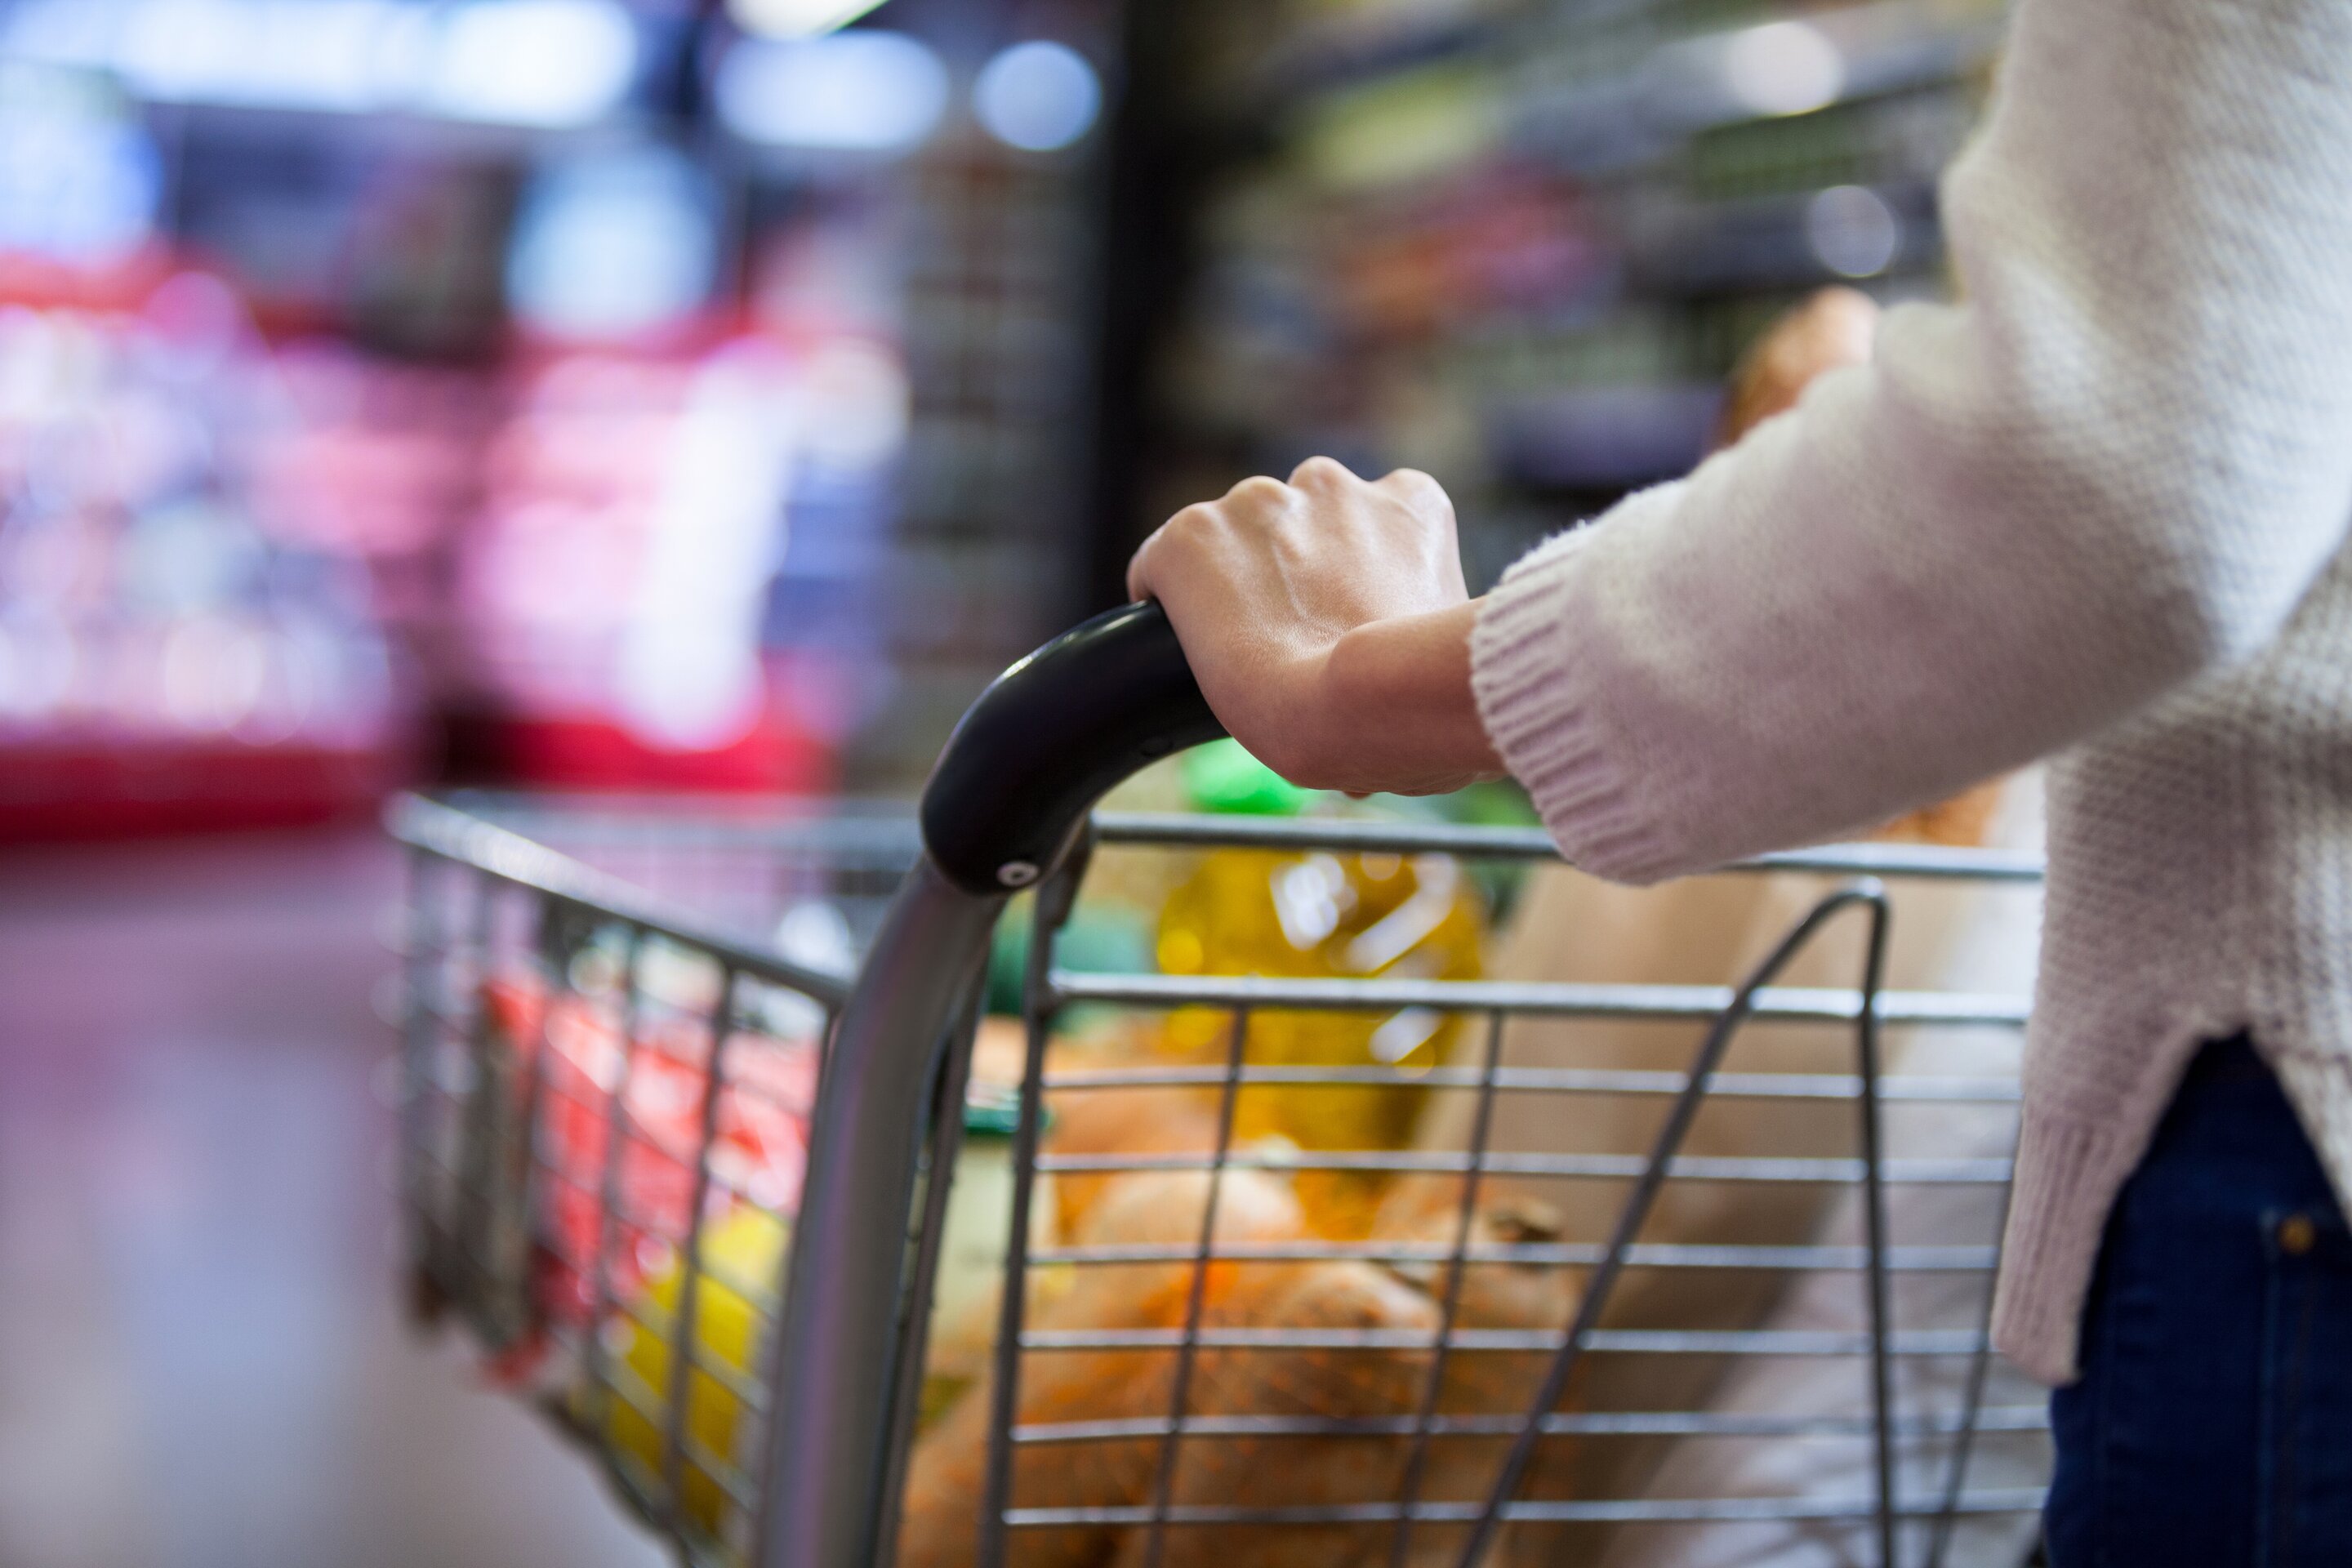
1260, 490
1320, 472
1417, 488
1139, 565
1184, 527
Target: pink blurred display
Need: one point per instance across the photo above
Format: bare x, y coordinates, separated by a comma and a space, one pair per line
236, 574
182, 641
614, 585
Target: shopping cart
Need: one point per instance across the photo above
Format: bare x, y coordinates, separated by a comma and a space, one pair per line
615, 1027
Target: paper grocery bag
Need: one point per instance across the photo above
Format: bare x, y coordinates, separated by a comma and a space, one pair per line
1711, 930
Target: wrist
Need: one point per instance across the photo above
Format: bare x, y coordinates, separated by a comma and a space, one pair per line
1394, 709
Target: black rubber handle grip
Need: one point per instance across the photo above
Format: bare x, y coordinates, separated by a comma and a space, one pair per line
1050, 737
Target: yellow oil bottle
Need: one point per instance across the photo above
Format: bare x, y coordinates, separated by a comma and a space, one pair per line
1304, 915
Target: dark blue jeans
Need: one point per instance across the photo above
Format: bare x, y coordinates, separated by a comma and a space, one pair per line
2213, 1427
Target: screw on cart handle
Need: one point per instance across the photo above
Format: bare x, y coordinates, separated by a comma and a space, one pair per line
1044, 742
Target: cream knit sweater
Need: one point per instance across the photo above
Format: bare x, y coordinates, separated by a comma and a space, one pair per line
2097, 512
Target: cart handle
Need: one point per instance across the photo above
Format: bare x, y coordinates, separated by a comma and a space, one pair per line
1003, 808
1050, 737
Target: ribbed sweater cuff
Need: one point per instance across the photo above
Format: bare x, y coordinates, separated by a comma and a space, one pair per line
1535, 695
2068, 1170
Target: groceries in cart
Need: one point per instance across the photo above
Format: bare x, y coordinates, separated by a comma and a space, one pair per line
1317, 915
657, 1066
1311, 1400
1288, 1212
624, 1095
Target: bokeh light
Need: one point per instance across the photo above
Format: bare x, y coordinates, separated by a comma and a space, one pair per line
863, 92
1783, 67
1038, 96
1852, 231
614, 244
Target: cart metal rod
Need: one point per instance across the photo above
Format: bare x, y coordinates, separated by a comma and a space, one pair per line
651, 1407
601, 1359
1661, 1510
1616, 1342
1635, 1424
510, 857
1457, 1272
862, 836
1939, 1540
1634, 1215
881, 841
1675, 1004
1195, 1299
836, 1347
1589, 1167
1342, 835
1894, 1089
1876, 1285
945, 1141
1055, 901
1811, 1260
684, 1337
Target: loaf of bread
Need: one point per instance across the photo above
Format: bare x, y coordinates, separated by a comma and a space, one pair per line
1290, 1472
947, 1472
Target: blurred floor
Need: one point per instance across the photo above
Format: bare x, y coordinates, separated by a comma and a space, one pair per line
202, 1362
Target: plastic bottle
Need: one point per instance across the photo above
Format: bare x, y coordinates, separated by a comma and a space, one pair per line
1311, 915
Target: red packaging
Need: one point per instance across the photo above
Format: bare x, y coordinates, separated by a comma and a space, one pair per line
758, 1152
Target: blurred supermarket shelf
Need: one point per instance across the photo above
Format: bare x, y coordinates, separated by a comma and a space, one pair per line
1520, 243
1812, 60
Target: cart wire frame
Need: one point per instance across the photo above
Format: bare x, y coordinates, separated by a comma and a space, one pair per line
824, 1403
448, 1221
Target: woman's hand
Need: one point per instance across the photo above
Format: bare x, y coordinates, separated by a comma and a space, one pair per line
1328, 623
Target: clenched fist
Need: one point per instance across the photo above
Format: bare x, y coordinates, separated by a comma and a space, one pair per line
1329, 625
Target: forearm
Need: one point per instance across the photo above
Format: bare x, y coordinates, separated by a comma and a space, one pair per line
2119, 465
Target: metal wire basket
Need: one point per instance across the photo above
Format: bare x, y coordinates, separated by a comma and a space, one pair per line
684, 1096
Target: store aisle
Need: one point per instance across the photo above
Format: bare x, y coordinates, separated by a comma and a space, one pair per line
202, 1361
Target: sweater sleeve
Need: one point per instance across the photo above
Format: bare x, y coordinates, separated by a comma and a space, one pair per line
2118, 465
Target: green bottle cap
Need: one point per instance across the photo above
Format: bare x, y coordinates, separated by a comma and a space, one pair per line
993, 1114
1221, 777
